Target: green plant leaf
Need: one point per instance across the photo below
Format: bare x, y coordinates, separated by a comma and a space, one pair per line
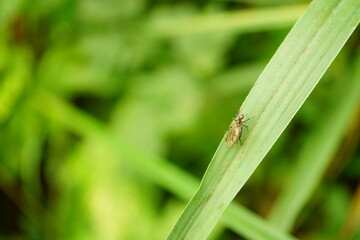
250, 20
281, 89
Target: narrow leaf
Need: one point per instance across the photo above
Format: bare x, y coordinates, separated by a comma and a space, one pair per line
249, 20
281, 89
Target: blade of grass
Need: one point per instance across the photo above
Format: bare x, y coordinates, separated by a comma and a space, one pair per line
161, 172
316, 155
250, 20
281, 89
351, 225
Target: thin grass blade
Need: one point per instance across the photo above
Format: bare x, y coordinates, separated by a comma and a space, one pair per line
281, 89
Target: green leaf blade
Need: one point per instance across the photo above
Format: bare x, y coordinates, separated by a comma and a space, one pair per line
278, 94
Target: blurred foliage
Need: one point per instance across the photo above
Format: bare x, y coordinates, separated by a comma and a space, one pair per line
166, 96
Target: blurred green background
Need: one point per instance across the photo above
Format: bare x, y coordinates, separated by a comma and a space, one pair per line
102, 102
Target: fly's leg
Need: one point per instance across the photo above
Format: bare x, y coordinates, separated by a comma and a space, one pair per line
246, 127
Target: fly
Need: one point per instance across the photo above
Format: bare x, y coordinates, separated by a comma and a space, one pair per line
235, 131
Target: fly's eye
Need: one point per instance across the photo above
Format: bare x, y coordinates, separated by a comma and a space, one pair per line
241, 116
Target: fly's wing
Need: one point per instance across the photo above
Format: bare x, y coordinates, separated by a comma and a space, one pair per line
233, 136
